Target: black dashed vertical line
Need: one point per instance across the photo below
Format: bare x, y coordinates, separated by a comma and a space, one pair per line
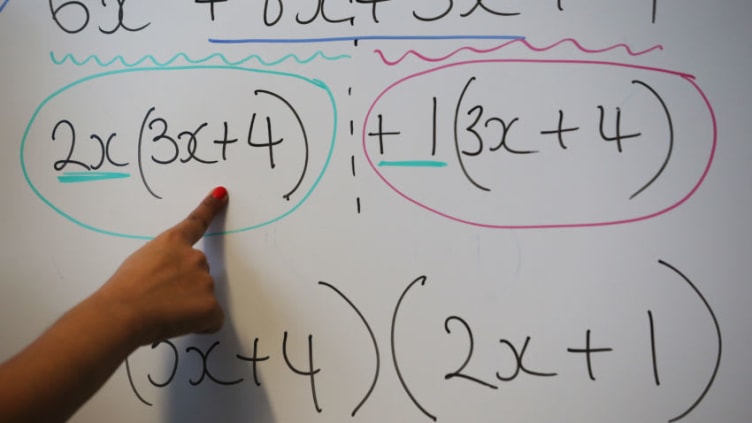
352, 157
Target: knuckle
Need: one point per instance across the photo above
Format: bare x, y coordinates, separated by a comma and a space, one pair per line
208, 284
198, 258
213, 315
172, 236
203, 286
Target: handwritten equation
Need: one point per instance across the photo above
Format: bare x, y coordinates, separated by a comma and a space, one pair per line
453, 129
278, 141
76, 16
514, 353
525, 143
635, 141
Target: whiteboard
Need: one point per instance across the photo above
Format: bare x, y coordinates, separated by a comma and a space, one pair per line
471, 210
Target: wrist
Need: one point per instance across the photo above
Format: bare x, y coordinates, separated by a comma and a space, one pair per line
121, 325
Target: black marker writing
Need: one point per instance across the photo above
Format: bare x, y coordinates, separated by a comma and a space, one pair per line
588, 351
205, 367
310, 373
618, 137
437, 17
479, 3
508, 374
61, 164
225, 141
255, 359
469, 129
139, 153
320, 11
174, 365
373, 3
276, 19
459, 372
652, 348
519, 358
670, 138
422, 281
478, 132
207, 143
718, 335
559, 131
74, 16
103, 156
270, 143
211, 5
373, 339
120, 22
303, 132
380, 133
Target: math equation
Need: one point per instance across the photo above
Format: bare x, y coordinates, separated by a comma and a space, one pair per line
148, 144
532, 141
75, 16
431, 109
519, 358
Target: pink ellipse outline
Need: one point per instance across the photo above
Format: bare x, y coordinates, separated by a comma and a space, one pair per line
689, 78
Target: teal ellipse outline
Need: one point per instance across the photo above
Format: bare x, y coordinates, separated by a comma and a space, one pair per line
315, 82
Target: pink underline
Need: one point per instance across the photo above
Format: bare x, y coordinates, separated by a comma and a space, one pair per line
525, 42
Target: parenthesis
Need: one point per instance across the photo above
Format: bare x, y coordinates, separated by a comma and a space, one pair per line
456, 137
373, 339
140, 162
718, 333
670, 139
133, 385
305, 138
422, 281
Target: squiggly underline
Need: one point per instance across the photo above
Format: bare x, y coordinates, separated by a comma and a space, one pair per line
149, 58
521, 40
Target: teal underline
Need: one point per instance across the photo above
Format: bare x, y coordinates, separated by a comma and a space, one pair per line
412, 163
75, 177
166, 63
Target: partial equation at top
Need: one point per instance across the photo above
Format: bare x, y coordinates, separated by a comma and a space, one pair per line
263, 17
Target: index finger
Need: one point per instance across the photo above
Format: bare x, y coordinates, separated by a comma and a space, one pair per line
193, 227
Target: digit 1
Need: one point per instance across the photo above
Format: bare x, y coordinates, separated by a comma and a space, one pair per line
655, 6
433, 145
652, 349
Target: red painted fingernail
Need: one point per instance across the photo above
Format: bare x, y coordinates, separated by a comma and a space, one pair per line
219, 193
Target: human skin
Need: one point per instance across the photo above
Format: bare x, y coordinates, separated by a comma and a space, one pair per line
162, 290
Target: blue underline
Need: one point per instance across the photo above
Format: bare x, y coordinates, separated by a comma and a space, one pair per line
412, 163
361, 38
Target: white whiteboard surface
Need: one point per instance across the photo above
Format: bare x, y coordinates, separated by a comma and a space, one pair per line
460, 211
